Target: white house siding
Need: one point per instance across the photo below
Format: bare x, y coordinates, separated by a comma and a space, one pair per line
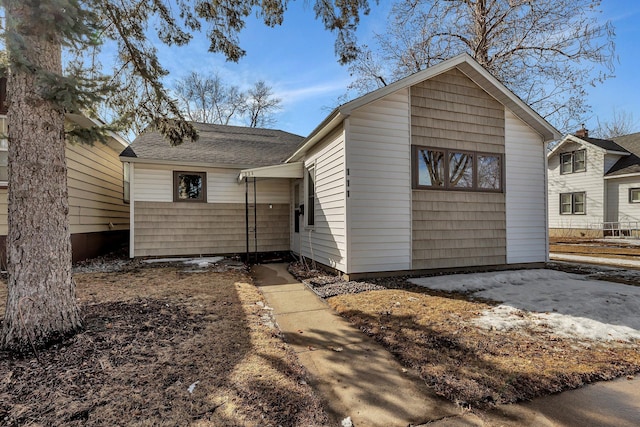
379, 185
590, 181
619, 209
164, 228
325, 242
525, 192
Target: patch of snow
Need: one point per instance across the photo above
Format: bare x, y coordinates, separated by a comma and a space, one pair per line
595, 260
347, 422
203, 262
622, 241
192, 387
156, 260
566, 304
200, 262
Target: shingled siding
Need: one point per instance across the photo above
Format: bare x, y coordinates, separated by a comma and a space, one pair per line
207, 228
457, 228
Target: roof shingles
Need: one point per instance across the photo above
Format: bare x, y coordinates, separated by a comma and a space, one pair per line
218, 145
628, 164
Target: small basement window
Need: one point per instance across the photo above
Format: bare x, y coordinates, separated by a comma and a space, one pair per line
189, 186
634, 195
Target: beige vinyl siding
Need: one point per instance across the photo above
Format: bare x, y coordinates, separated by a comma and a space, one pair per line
167, 229
591, 181
525, 192
163, 227
379, 185
618, 207
326, 240
154, 183
457, 228
94, 180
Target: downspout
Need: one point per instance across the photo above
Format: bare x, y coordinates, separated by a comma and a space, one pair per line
255, 220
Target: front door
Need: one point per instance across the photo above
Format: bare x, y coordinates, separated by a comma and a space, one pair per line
297, 219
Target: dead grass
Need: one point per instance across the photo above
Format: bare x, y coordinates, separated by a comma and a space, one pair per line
150, 334
434, 334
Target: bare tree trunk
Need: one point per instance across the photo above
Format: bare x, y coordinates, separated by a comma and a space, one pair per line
41, 305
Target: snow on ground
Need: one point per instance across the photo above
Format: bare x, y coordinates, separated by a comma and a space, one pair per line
566, 304
595, 260
200, 262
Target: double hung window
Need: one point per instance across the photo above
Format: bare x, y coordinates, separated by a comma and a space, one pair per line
573, 203
574, 161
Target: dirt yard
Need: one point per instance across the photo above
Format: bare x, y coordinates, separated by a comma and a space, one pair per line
162, 346
434, 332
607, 248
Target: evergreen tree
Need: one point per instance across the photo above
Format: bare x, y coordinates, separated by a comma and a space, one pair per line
41, 304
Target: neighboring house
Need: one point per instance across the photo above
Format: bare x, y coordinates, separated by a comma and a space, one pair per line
443, 169
98, 214
594, 186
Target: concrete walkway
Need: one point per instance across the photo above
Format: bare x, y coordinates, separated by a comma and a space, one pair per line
358, 378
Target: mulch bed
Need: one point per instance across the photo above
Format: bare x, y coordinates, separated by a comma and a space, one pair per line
162, 347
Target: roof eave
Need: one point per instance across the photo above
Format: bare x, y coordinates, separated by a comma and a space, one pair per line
285, 170
328, 124
86, 122
472, 69
578, 140
184, 163
624, 175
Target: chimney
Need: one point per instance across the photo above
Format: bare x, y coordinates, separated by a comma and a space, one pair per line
582, 133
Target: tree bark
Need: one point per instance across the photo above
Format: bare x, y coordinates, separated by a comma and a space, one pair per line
41, 305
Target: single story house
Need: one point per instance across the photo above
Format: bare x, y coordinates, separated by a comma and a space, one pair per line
443, 169
594, 186
98, 209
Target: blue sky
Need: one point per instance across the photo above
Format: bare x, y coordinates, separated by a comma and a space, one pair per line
298, 61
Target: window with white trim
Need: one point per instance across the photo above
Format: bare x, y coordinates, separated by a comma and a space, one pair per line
634, 195
573, 203
574, 161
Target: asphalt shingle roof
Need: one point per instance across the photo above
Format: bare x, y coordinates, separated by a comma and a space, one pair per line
605, 144
631, 163
219, 144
